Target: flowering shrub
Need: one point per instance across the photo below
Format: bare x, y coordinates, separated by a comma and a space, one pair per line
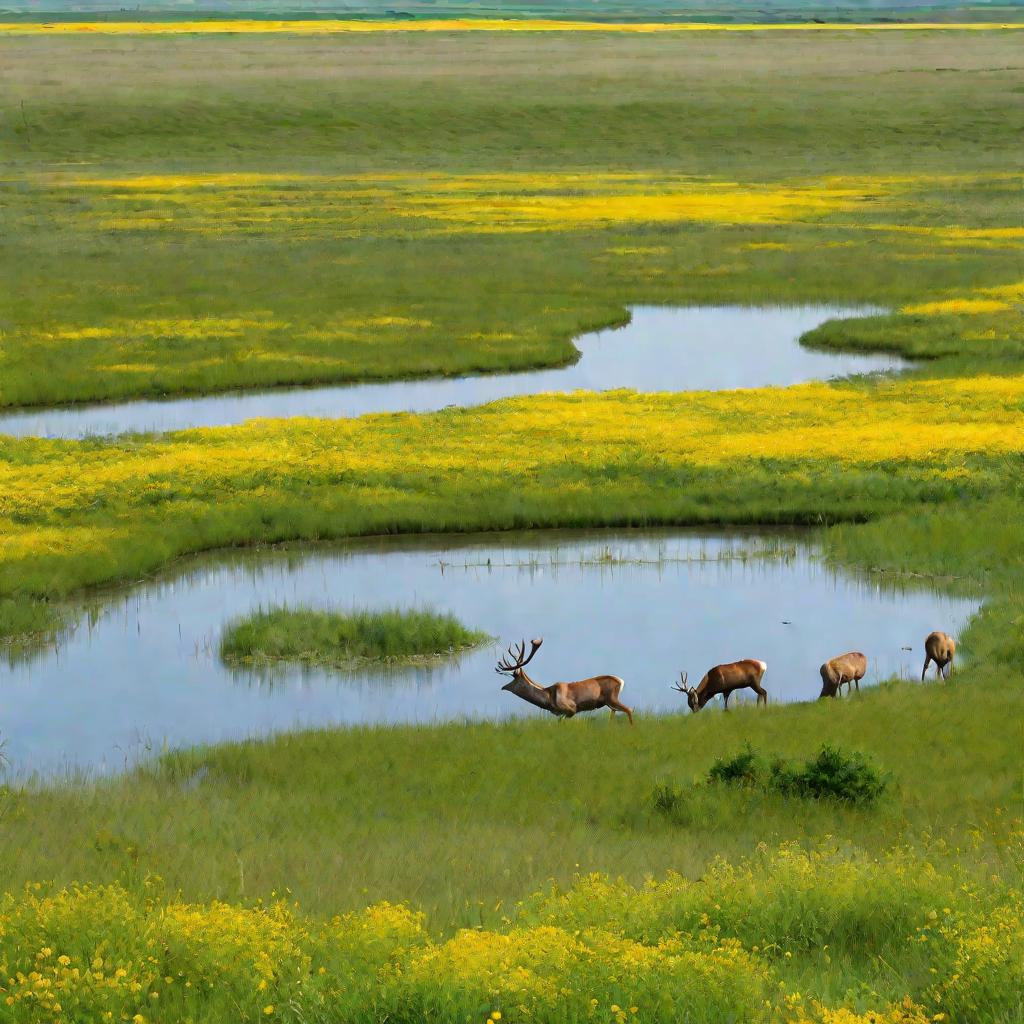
781, 900
726, 948
548, 973
986, 976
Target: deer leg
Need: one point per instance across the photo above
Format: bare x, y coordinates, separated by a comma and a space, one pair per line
616, 705
762, 695
924, 671
725, 698
856, 682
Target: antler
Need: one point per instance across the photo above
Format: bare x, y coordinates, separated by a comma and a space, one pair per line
683, 679
512, 661
515, 660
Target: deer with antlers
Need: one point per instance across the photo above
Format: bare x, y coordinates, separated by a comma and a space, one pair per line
940, 648
561, 699
725, 680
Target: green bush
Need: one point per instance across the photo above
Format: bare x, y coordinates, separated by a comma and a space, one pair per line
744, 769
833, 775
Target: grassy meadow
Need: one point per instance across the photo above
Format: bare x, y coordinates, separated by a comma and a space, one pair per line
188, 213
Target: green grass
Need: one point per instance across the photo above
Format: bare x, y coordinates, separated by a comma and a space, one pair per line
713, 105
495, 810
345, 639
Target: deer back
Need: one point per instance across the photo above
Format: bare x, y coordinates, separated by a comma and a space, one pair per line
853, 665
733, 675
596, 690
940, 647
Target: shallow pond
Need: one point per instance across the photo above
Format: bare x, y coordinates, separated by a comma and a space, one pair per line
143, 669
661, 349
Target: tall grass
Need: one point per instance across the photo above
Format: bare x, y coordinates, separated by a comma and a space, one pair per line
913, 942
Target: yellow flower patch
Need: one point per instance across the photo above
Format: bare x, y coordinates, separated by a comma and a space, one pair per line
968, 306
431, 203
331, 27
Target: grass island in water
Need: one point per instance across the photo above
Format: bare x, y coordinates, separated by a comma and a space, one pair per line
345, 640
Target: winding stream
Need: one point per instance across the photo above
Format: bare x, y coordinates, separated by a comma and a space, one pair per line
699, 348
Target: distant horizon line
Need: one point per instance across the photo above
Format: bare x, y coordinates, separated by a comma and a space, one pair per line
213, 25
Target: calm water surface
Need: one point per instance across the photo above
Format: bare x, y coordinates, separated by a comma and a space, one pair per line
143, 670
661, 349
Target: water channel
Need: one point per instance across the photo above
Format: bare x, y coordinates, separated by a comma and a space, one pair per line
700, 348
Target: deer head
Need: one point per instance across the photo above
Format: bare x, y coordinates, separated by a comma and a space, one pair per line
689, 692
513, 663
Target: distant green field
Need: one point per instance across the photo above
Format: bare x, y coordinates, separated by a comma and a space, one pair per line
317, 276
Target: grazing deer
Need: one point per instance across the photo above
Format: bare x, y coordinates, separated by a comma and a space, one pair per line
847, 668
940, 648
724, 679
561, 699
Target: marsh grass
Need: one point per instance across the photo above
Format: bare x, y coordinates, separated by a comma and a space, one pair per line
777, 548
345, 640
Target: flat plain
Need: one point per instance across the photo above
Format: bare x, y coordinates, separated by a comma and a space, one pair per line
193, 213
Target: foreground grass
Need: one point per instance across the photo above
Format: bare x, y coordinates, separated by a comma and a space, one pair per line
730, 947
502, 810
344, 639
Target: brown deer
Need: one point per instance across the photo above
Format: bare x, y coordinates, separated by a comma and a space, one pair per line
847, 668
940, 648
724, 679
562, 699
